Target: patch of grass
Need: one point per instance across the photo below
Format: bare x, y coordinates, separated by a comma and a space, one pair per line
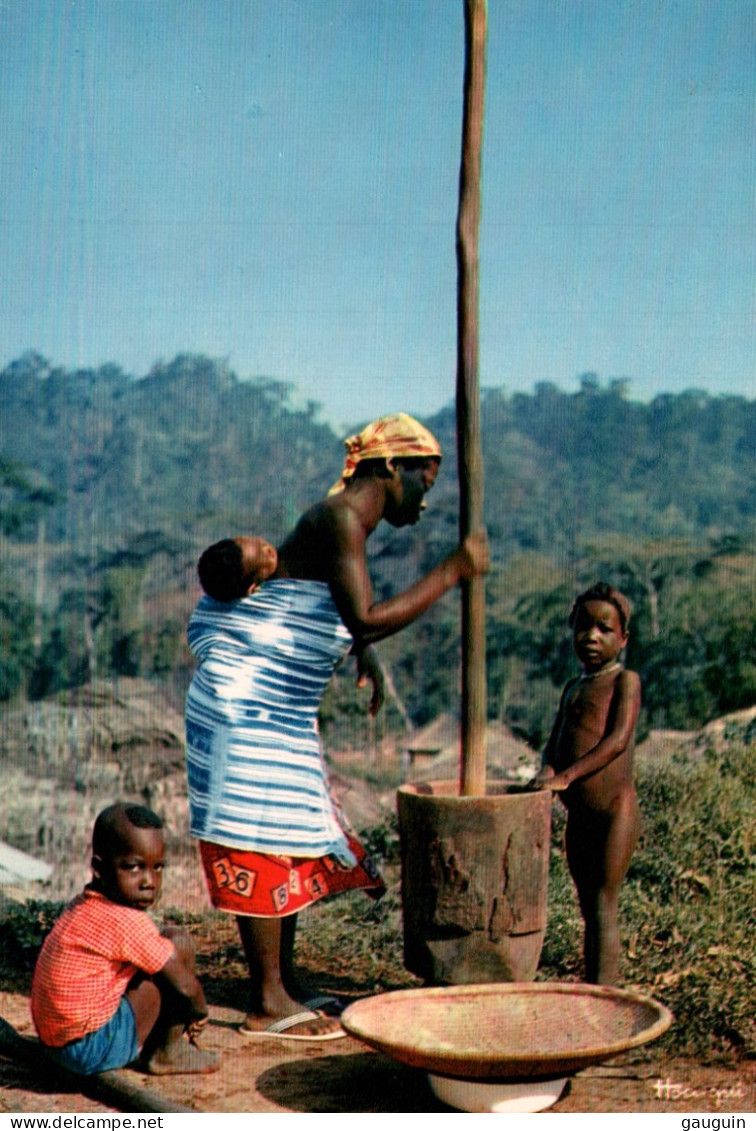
690, 897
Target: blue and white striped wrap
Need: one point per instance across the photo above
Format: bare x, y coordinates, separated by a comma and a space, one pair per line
257, 777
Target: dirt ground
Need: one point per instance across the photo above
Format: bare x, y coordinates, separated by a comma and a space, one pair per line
269, 1075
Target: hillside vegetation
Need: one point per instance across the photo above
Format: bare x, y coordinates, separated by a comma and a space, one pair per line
110, 486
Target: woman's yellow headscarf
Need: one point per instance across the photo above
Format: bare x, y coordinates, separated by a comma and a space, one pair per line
390, 437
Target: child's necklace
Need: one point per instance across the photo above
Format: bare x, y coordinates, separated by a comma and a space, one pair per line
604, 671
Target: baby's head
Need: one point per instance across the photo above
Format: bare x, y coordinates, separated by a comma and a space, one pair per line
599, 620
128, 855
236, 567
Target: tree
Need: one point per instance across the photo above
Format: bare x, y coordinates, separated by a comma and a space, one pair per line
16, 642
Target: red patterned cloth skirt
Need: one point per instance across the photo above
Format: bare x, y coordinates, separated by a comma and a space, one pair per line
243, 882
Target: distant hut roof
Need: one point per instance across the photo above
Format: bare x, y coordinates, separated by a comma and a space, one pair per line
435, 749
436, 736
18, 867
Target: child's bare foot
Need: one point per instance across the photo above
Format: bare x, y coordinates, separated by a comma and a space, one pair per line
180, 1056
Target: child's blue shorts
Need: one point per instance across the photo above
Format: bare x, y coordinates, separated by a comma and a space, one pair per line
112, 1046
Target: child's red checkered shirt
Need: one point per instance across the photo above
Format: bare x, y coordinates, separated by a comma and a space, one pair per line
86, 963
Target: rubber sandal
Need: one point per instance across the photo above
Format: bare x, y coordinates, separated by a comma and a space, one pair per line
327, 1004
280, 1029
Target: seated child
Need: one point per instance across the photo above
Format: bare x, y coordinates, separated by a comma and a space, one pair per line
108, 987
588, 759
236, 567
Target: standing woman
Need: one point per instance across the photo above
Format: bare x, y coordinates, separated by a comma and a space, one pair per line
271, 837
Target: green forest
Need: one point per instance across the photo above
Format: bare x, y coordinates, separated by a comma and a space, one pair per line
111, 485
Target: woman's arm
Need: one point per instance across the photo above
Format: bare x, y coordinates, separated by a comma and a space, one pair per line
369, 669
352, 591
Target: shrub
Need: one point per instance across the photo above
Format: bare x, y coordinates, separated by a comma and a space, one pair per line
382, 841
689, 899
24, 929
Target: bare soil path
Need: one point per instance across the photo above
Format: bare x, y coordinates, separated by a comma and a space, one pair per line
269, 1075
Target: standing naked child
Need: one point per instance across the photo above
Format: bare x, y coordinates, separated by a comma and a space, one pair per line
110, 989
588, 759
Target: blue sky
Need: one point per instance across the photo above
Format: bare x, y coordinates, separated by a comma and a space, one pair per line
275, 182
